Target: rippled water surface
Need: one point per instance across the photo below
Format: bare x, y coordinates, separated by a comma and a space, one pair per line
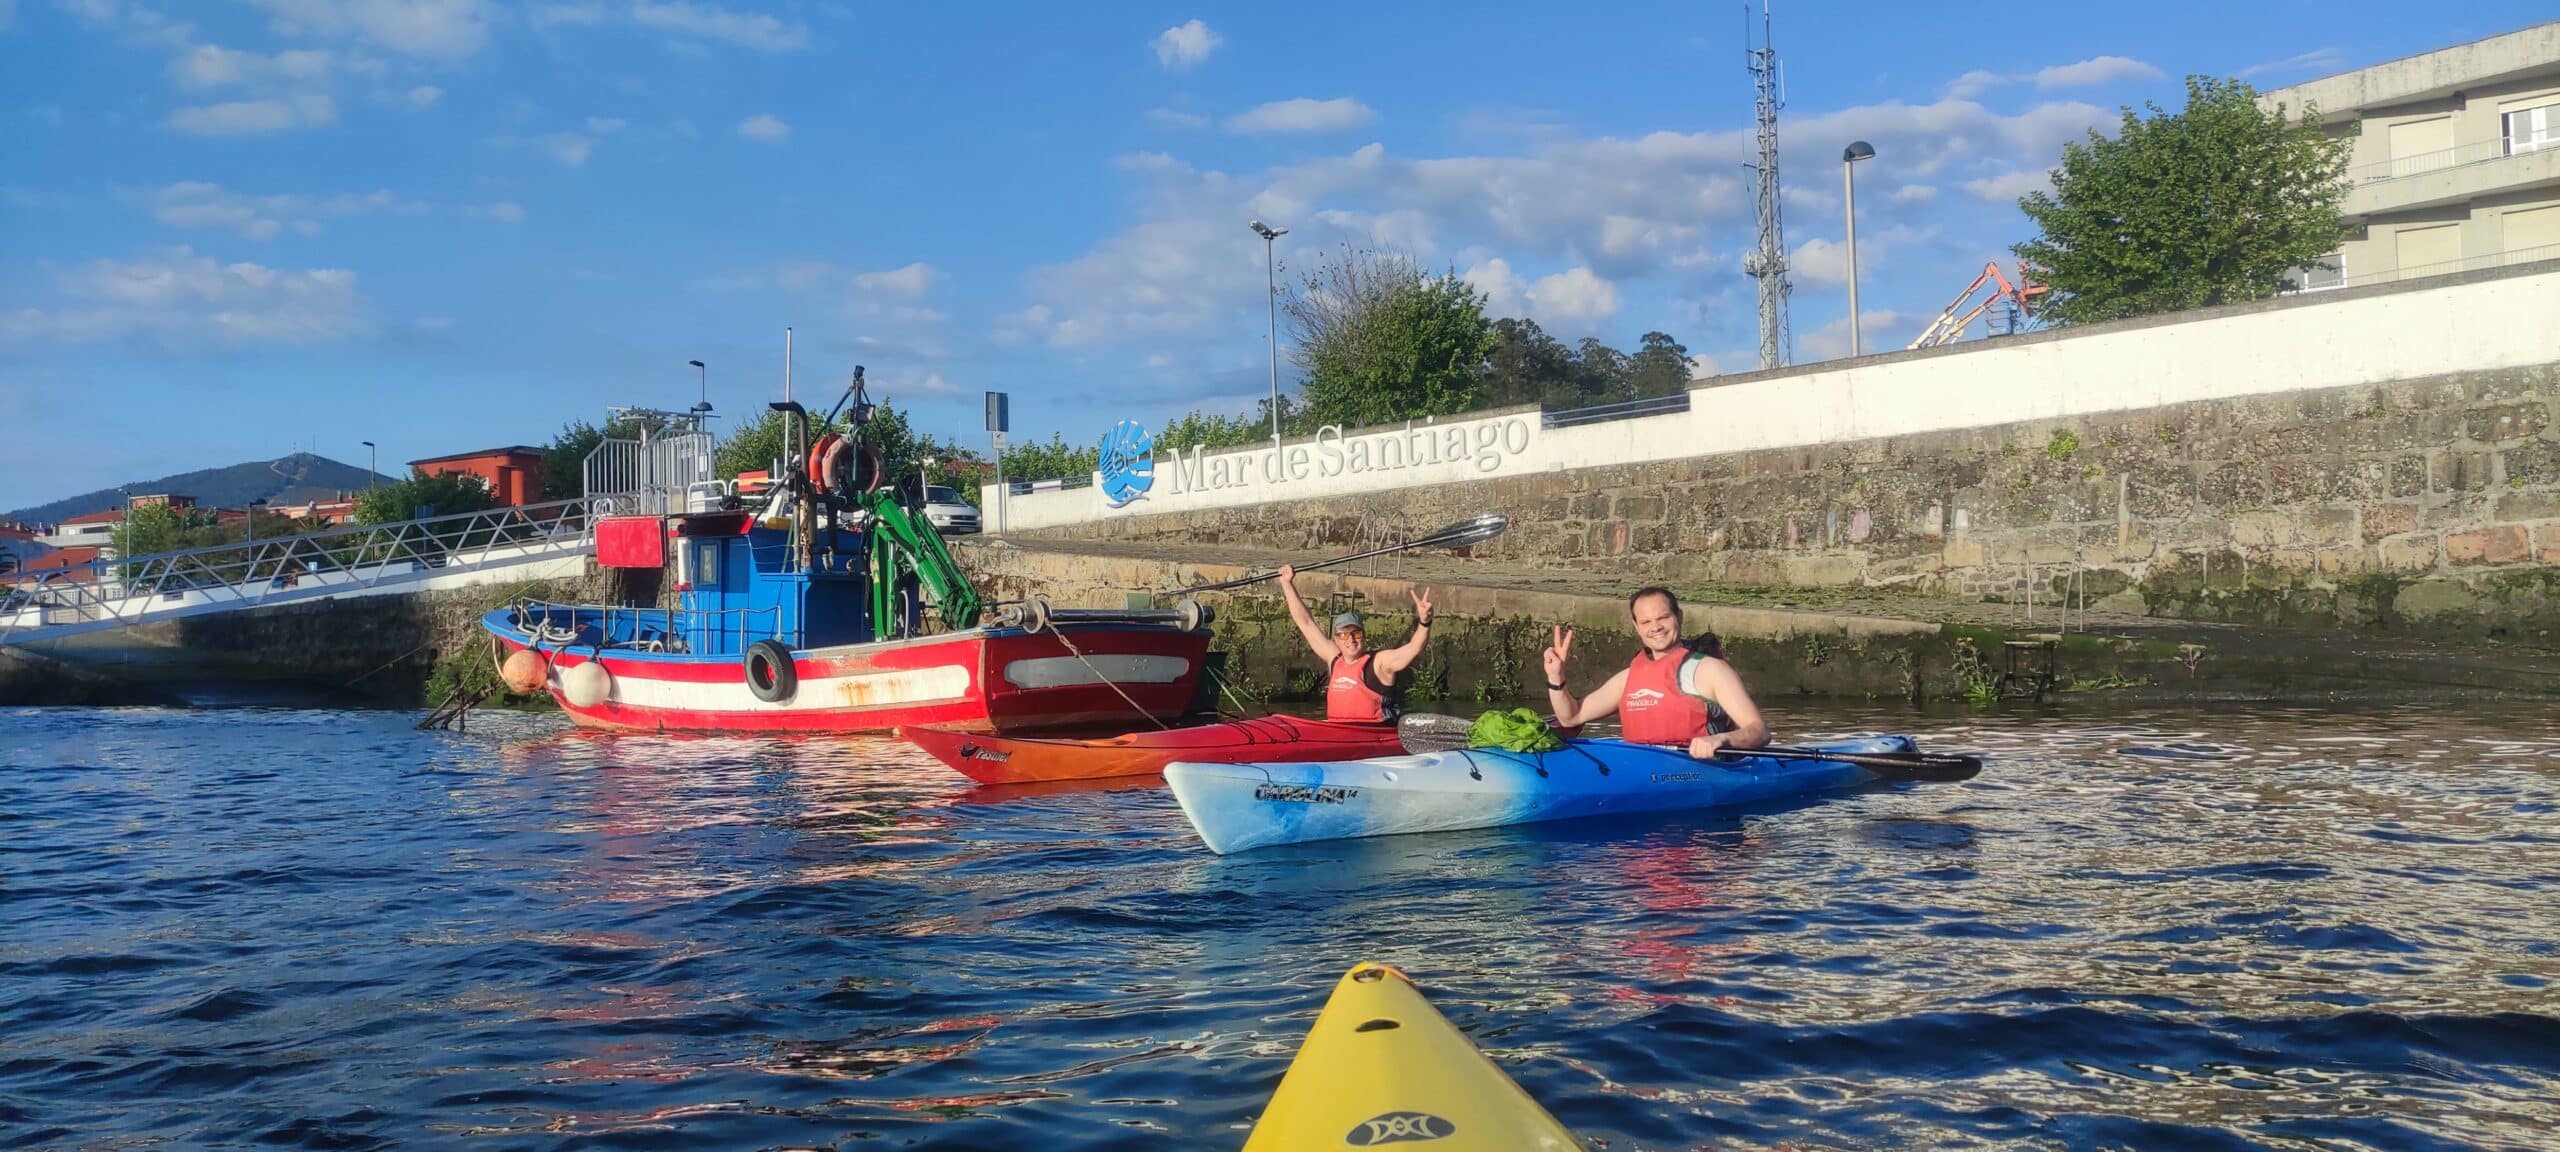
322, 929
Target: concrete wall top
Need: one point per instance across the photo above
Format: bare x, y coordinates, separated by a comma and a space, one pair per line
2471, 322
2427, 75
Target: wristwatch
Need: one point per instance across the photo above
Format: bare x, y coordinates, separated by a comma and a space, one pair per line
1552, 686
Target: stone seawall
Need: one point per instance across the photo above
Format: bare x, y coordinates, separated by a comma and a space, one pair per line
2431, 505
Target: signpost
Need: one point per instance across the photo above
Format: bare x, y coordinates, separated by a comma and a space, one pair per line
999, 420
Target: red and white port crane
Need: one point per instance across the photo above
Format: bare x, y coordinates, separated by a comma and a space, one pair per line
2017, 301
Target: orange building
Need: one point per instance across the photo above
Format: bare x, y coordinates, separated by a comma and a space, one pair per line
514, 475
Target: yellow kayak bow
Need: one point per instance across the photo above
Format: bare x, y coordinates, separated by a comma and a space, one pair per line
1381, 1067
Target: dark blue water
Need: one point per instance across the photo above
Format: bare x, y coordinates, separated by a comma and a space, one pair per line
325, 930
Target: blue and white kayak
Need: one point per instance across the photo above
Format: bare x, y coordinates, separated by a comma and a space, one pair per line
1236, 807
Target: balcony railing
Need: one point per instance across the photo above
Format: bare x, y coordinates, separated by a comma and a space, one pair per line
2351, 279
2446, 159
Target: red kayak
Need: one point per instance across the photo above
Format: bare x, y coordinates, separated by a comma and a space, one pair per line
1016, 760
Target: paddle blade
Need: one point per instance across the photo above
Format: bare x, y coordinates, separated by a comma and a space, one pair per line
1465, 533
1424, 732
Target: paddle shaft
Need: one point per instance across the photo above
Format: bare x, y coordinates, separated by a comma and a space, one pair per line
1917, 766
1454, 536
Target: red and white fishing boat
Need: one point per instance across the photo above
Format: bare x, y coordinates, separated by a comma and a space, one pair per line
811, 615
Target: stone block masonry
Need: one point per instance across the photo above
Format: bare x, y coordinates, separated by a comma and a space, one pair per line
2430, 504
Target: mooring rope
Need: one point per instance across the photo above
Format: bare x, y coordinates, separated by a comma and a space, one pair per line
1061, 634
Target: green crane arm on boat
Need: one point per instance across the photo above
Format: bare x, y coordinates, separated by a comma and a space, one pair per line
920, 549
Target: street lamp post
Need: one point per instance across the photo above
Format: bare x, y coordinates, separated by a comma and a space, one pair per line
923, 472
1849, 157
372, 465
1271, 298
703, 408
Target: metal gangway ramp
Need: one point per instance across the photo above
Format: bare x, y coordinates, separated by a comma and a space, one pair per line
532, 541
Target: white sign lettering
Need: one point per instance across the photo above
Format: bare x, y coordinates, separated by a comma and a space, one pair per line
1479, 448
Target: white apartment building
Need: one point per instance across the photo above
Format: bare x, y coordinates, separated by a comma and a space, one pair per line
2456, 161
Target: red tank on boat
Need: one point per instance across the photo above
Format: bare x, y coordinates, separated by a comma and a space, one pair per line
836, 608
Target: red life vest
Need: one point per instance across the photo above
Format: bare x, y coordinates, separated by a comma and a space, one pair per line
1349, 695
1652, 709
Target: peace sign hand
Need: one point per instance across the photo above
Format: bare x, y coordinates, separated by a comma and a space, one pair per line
1422, 606
1557, 653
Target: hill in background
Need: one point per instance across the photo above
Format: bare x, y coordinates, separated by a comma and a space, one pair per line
293, 479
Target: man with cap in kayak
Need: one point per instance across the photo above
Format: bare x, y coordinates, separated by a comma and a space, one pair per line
1360, 684
1669, 694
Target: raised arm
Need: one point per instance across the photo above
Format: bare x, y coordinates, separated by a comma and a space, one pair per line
1718, 682
1402, 656
1324, 647
1570, 711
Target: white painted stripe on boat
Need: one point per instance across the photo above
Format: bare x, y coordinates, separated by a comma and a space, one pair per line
829, 694
1063, 671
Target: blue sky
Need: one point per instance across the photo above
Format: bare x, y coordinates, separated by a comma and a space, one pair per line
231, 229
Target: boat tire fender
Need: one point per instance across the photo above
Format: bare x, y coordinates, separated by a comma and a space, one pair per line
1035, 614
770, 674
1195, 615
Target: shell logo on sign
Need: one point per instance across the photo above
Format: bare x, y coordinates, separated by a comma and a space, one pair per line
1127, 463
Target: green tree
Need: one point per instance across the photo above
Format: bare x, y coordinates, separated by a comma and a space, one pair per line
1601, 373
149, 528
421, 495
1659, 368
1378, 341
1526, 366
1199, 429
1055, 460
2209, 205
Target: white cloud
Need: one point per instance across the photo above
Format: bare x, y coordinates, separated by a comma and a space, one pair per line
1819, 261
1503, 289
1302, 115
255, 117
433, 29
1168, 118
605, 125
2092, 72
206, 66
179, 296
569, 148
2318, 60
767, 127
1831, 341
1186, 44
911, 280
2089, 73
192, 204
1573, 297
1913, 194
1653, 210
1702, 366
552, 15
755, 31
503, 211
424, 95
2009, 186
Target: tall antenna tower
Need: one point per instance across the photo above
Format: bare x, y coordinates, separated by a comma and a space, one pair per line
1767, 263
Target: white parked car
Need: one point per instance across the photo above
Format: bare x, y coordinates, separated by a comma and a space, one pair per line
948, 513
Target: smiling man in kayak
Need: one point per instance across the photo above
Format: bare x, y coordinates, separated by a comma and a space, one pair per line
1669, 694
1360, 684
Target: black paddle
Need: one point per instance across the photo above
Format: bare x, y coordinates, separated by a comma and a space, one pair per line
1475, 530
1423, 732
1929, 767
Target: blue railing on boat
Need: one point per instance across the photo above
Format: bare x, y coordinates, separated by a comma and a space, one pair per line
672, 631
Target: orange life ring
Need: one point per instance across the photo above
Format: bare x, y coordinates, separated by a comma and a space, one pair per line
823, 457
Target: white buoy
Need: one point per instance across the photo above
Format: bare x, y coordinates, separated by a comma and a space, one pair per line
586, 685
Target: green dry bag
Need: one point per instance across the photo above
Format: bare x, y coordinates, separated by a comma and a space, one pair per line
1518, 730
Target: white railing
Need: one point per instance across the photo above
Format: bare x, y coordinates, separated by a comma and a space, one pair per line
128, 590
2350, 279
2442, 159
651, 478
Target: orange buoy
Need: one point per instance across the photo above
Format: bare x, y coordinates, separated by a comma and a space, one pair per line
524, 672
